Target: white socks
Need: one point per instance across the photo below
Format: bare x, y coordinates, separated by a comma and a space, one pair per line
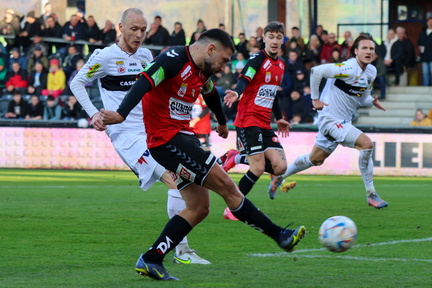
366, 169
301, 163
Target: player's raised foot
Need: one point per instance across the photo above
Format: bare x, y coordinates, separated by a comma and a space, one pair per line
374, 200
227, 214
190, 257
288, 238
152, 270
274, 185
222, 159
288, 186
230, 160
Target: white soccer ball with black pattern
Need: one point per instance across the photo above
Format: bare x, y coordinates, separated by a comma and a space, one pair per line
338, 233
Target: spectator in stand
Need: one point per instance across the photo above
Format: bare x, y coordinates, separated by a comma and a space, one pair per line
37, 57
47, 13
410, 63
425, 48
69, 63
108, 34
252, 44
91, 33
226, 81
420, 119
347, 39
283, 92
80, 63
37, 80
295, 37
17, 57
400, 55
346, 48
327, 48
3, 75
319, 31
300, 80
52, 110
384, 50
38, 42
260, 37
71, 31
336, 56
17, 79
158, 35
82, 22
32, 27
293, 45
298, 107
73, 110
35, 109
239, 58
17, 107
293, 64
200, 29
381, 78
56, 81
11, 25
178, 36
53, 30
311, 54
241, 46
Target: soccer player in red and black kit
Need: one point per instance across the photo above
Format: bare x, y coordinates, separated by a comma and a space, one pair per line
256, 90
168, 89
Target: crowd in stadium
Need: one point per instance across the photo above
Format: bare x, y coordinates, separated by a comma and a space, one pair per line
42, 56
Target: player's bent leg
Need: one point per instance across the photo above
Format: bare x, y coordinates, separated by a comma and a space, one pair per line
197, 201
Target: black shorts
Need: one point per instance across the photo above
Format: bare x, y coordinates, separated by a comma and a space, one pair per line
183, 156
253, 140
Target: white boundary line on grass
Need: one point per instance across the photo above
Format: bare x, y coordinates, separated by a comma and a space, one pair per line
297, 252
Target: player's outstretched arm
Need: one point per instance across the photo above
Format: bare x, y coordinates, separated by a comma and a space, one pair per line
377, 103
222, 130
283, 127
230, 98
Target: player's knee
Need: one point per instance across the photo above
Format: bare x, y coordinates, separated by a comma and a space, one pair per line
279, 169
317, 162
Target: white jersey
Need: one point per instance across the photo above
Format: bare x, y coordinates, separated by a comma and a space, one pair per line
347, 86
116, 71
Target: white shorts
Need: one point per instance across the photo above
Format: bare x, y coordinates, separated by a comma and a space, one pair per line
132, 149
333, 132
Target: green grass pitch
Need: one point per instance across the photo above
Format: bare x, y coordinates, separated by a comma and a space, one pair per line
87, 228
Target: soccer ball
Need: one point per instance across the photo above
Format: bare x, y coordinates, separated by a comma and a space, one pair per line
338, 233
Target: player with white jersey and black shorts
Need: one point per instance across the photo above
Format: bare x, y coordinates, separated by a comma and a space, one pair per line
116, 68
348, 85
168, 89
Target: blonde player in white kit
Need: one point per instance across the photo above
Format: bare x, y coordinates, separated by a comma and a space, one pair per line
348, 85
116, 68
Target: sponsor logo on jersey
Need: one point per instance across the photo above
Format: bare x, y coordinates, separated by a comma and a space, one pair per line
340, 75
186, 72
180, 110
120, 66
133, 64
172, 53
265, 96
250, 73
282, 66
268, 77
182, 90
158, 76
275, 139
126, 83
92, 70
143, 63
134, 70
185, 173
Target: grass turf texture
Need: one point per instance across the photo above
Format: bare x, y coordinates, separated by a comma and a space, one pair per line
87, 228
